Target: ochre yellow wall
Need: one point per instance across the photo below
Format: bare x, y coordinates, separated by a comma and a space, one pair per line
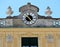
41, 33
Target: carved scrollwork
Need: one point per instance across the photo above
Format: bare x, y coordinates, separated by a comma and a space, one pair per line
49, 38
9, 38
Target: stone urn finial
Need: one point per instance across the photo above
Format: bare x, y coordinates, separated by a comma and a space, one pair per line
9, 11
48, 11
29, 3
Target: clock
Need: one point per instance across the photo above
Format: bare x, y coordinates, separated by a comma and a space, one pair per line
29, 18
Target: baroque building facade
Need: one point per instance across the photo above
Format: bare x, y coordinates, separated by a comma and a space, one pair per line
29, 37
29, 17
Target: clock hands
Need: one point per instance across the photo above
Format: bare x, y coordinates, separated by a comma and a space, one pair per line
28, 17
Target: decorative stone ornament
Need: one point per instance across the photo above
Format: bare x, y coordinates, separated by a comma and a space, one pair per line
29, 6
9, 38
48, 11
29, 14
49, 38
9, 11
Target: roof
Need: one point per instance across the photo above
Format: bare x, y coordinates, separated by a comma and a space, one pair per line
14, 17
43, 17
39, 17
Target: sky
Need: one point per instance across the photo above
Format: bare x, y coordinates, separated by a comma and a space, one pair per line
41, 4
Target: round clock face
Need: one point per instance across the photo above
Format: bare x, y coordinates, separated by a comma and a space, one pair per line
29, 18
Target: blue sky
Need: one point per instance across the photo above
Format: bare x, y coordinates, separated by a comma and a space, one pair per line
42, 4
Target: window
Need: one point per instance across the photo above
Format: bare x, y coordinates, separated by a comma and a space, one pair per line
2, 23
29, 42
55, 23
59, 22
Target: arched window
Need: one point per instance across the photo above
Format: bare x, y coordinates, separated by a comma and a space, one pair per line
59, 22
55, 23
2, 23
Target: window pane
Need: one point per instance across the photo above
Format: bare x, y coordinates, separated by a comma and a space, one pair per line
25, 46
53, 22
33, 46
30, 41
59, 22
